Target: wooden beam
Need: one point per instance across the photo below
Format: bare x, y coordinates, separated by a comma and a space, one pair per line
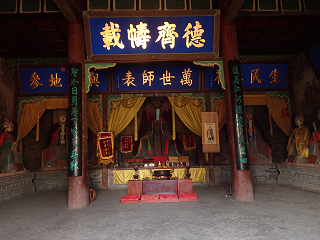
69, 9
230, 9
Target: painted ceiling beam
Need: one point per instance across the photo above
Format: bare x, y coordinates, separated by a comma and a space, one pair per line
231, 9
69, 9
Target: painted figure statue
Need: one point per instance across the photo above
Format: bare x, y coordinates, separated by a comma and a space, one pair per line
256, 144
314, 144
56, 154
11, 158
298, 144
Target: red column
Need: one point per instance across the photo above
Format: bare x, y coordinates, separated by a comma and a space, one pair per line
78, 190
241, 179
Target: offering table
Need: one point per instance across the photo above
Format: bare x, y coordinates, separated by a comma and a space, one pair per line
122, 176
160, 187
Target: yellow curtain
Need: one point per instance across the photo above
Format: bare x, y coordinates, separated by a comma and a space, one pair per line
275, 106
95, 120
189, 111
32, 112
122, 112
220, 108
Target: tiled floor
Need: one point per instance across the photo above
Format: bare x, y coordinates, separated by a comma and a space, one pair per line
278, 212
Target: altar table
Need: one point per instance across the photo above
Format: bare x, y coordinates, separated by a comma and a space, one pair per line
123, 176
137, 187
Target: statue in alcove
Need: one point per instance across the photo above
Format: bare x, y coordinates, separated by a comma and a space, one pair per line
224, 146
314, 144
155, 133
258, 148
11, 158
298, 144
56, 154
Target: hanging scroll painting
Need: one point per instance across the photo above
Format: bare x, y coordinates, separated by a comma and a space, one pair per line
210, 132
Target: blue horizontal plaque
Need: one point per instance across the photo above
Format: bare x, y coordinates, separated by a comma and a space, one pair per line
156, 77
44, 80
264, 75
156, 35
315, 56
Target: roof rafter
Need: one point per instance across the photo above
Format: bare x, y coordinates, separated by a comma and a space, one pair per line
231, 8
69, 9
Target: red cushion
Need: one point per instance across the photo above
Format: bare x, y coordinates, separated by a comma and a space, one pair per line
168, 196
132, 197
187, 195
148, 197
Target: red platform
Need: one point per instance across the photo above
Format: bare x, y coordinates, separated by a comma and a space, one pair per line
149, 198
168, 198
160, 191
130, 199
188, 197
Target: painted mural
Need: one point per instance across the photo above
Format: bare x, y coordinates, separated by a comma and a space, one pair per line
307, 97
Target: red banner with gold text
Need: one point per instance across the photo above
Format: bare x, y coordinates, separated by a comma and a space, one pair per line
105, 146
126, 144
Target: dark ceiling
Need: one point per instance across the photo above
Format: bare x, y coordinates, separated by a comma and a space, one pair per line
33, 36
276, 35
44, 35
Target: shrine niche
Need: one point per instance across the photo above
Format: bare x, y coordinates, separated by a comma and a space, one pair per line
40, 128
265, 116
157, 135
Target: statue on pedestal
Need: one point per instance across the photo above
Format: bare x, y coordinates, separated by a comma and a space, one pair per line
11, 159
56, 154
257, 146
298, 144
314, 144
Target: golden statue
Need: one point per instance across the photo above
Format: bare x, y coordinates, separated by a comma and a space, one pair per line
298, 143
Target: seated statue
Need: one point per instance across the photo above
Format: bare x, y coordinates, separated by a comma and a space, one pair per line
314, 144
298, 144
11, 159
56, 154
256, 144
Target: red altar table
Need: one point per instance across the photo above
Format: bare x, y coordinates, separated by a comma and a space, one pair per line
180, 186
157, 191
160, 187
134, 187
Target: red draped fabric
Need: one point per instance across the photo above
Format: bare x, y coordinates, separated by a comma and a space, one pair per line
189, 142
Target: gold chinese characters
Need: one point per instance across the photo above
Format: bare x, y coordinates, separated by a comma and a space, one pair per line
35, 81
148, 77
139, 35
255, 76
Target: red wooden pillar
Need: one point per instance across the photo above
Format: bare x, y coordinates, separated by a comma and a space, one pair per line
241, 179
78, 190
